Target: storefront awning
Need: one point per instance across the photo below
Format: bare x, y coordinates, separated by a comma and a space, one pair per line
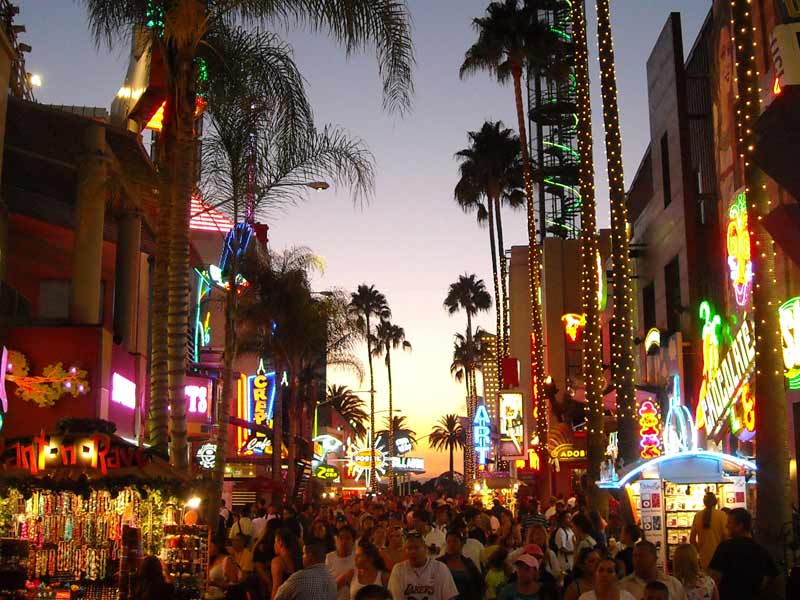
685, 467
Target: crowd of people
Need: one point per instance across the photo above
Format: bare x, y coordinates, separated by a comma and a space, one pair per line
418, 548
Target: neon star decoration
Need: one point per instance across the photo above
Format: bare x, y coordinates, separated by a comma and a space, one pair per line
359, 458
789, 315
680, 434
573, 324
649, 430
740, 260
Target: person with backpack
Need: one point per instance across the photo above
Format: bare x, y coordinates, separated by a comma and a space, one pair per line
562, 542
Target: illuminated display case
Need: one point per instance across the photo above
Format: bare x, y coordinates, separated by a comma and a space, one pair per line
185, 556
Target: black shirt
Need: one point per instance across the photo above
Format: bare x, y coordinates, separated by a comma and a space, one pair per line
625, 556
743, 563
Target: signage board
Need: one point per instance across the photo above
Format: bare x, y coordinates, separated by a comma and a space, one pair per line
568, 452
511, 419
481, 434
408, 464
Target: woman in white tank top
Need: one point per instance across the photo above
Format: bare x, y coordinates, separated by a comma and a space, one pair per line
370, 568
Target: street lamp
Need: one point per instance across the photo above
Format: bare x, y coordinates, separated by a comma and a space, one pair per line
319, 186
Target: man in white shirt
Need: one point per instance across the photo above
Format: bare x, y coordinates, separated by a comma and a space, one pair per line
645, 570
421, 577
473, 550
342, 562
434, 539
565, 542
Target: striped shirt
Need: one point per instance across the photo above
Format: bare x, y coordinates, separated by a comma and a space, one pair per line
532, 519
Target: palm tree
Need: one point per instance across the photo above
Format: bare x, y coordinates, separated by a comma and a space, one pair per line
592, 348
468, 294
448, 434
243, 134
351, 408
773, 512
368, 304
388, 337
622, 324
510, 40
302, 333
400, 428
182, 32
491, 170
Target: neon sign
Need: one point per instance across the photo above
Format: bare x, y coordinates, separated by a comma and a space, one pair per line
408, 464
573, 323
256, 403
480, 433
652, 340
680, 434
360, 457
123, 391
743, 414
207, 455
511, 420
723, 385
197, 396
740, 261
402, 445
601, 284
44, 389
649, 430
568, 452
789, 315
326, 473
98, 451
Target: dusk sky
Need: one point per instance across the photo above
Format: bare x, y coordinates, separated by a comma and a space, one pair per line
412, 240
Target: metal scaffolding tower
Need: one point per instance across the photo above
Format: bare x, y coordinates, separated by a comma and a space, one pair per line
553, 123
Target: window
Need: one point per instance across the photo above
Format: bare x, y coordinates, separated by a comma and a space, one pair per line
53, 299
666, 186
649, 306
672, 284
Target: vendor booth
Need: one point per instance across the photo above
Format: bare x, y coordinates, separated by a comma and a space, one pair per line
81, 506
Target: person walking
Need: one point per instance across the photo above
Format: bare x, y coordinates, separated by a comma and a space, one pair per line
527, 586
708, 529
606, 584
686, 568
583, 574
288, 558
564, 541
314, 580
466, 574
645, 570
370, 568
741, 566
342, 562
420, 576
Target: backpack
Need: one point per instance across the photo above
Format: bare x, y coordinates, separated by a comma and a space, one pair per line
551, 542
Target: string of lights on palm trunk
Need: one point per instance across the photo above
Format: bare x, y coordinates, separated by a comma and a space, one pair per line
622, 324
590, 278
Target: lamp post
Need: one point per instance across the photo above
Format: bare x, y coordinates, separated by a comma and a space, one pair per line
319, 186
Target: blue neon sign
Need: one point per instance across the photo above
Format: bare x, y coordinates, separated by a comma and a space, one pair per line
481, 433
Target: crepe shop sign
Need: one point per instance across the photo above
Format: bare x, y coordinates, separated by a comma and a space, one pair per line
96, 451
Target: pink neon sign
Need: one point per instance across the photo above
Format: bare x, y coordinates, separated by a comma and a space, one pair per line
123, 391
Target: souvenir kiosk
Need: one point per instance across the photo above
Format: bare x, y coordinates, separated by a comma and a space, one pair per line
666, 487
81, 506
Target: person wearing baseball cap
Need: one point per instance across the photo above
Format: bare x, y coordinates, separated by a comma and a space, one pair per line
527, 586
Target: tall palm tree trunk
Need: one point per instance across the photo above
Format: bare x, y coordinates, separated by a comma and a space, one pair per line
622, 325
498, 300
389, 466
503, 282
294, 430
159, 374
452, 466
277, 428
773, 514
592, 359
534, 262
178, 294
373, 479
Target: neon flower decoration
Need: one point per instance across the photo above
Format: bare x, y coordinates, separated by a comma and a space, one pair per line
680, 434
742, 416
649, 430
789, 315
44, 389
739, 257
573, 324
